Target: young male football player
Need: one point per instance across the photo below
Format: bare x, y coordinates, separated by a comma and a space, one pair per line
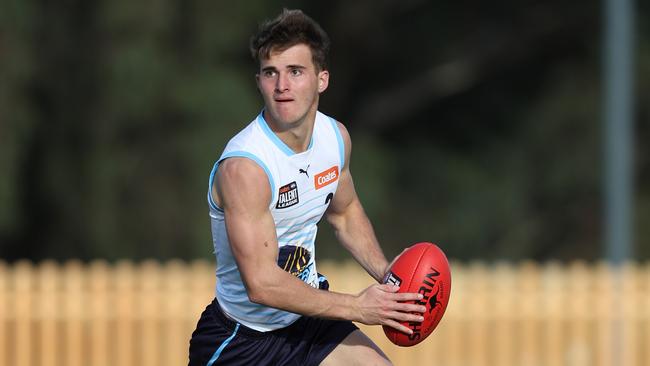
268, 191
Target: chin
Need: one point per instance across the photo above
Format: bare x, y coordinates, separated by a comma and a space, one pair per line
287, 119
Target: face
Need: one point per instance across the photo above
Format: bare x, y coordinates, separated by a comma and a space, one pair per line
290, 86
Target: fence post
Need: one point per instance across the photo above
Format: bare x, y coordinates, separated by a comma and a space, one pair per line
469, 340
631, 300
176, 341
579, 350
554, 293
452, 327
48, 314
604, 277
124, 312
644, 274
149, 313
503, 300
100, 311
74, 298
529, 313
4, 313
23, 304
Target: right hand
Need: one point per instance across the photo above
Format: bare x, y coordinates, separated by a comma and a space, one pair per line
382, 305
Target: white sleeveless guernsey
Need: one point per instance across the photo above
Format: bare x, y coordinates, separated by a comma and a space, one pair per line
302, 186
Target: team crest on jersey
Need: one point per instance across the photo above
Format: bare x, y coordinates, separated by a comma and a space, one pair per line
295, 260
288, 195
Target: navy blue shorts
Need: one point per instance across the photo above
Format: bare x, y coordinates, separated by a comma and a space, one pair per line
218, 340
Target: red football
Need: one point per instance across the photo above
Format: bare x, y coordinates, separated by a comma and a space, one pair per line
421, 268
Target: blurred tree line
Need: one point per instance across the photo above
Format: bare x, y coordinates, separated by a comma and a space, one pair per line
475, 125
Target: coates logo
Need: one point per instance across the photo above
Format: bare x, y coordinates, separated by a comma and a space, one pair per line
327, 177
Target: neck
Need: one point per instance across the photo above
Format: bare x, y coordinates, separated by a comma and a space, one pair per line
296, 136
298, 141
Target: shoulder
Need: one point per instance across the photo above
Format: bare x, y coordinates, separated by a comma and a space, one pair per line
345, 135
240, 169
340, 130
250, 147
337, 125
346, 140
242, 180
239, 165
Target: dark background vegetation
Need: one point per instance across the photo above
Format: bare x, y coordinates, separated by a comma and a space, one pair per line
476, 125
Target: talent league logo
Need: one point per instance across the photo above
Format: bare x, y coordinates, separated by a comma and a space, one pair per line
327, 177
287, 196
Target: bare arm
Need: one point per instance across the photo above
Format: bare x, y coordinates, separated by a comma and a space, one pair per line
244, 193
351, 225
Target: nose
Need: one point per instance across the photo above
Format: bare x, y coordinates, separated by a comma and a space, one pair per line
282, 83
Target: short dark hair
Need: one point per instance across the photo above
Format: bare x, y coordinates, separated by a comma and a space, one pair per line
290, 28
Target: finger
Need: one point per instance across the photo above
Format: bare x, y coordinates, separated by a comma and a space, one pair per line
400, 327
407, 296
405, 317
410, 308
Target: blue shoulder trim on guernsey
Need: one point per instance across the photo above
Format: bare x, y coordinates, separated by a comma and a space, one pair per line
276, 140
217, 353
339, 138
210, 182
246, 154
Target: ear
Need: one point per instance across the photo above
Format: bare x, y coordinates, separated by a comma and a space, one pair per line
257, 81
323, 80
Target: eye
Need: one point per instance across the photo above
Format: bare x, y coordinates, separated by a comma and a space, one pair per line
268, 73
296, 72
